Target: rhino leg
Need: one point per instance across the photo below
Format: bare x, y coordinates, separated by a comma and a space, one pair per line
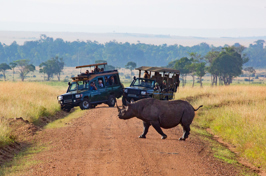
186, 132
146, 127
156, 126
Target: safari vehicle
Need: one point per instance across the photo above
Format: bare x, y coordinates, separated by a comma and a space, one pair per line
144, 88
87, 90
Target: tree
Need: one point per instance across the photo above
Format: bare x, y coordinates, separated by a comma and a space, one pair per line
211, 55
51, 67
3, 68
59, 66
13, 65
183, 66
227, 65
131, 66
24, 67
192, 69
195, 58
200, 71
251, 71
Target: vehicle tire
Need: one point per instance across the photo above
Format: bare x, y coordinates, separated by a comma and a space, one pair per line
111, 101
124, 101
85, 104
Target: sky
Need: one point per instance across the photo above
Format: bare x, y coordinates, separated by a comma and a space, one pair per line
204, 18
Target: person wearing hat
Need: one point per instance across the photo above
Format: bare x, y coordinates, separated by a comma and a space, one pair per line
157, 87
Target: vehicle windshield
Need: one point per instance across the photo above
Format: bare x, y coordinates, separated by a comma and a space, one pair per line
143, 83
81, 85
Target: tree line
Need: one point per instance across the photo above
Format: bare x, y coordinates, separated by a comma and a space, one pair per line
115, 53
223, 65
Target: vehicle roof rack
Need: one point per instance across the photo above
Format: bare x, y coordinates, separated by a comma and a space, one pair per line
91, 65
158, 69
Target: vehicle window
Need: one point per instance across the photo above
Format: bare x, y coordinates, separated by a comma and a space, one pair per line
143, 83
100, 83
113, 80
73, 87
107, 81
83, 85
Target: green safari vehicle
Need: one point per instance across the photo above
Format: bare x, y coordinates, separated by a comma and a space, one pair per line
87, 90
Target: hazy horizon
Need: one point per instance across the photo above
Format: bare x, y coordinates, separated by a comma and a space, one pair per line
206, 18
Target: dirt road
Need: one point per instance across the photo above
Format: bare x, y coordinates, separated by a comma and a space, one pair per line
101, 144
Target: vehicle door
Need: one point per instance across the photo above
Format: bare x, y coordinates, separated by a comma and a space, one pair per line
94, 94
103, 96
109, 88
115, 84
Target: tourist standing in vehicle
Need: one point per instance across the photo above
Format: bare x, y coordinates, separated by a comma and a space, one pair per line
96, 69
146, 75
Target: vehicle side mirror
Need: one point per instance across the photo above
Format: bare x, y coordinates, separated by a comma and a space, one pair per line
134, 78
69, 83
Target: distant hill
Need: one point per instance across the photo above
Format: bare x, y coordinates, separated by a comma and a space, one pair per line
20, 37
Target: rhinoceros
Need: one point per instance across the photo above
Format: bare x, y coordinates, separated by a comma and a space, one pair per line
160, 113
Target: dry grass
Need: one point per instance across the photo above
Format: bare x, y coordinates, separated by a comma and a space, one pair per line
27, 100
236, 114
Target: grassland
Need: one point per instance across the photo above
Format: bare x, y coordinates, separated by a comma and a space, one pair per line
234, 113
28, 100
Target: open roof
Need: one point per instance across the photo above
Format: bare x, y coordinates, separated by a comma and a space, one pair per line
159, 69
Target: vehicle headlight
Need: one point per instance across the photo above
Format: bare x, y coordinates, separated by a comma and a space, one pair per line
125, 90
60, 97
143, 92
78, 95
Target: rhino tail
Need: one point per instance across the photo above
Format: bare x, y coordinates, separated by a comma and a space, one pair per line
198, 108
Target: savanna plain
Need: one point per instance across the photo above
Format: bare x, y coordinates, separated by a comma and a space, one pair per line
233, 114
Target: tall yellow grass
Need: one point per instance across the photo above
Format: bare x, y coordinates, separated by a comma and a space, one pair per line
235, 113
27, 100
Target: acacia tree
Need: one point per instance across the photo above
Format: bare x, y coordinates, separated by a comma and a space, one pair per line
192, 69
211, 55
24, 67
3, 68
131, 66
13, 65
227, 65
183, 66
59, 66
200, 71
251, 71
51, 67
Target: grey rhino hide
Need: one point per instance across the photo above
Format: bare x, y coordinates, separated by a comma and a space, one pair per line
160, 114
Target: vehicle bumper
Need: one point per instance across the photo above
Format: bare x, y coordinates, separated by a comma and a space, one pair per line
137, 97
70, 103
